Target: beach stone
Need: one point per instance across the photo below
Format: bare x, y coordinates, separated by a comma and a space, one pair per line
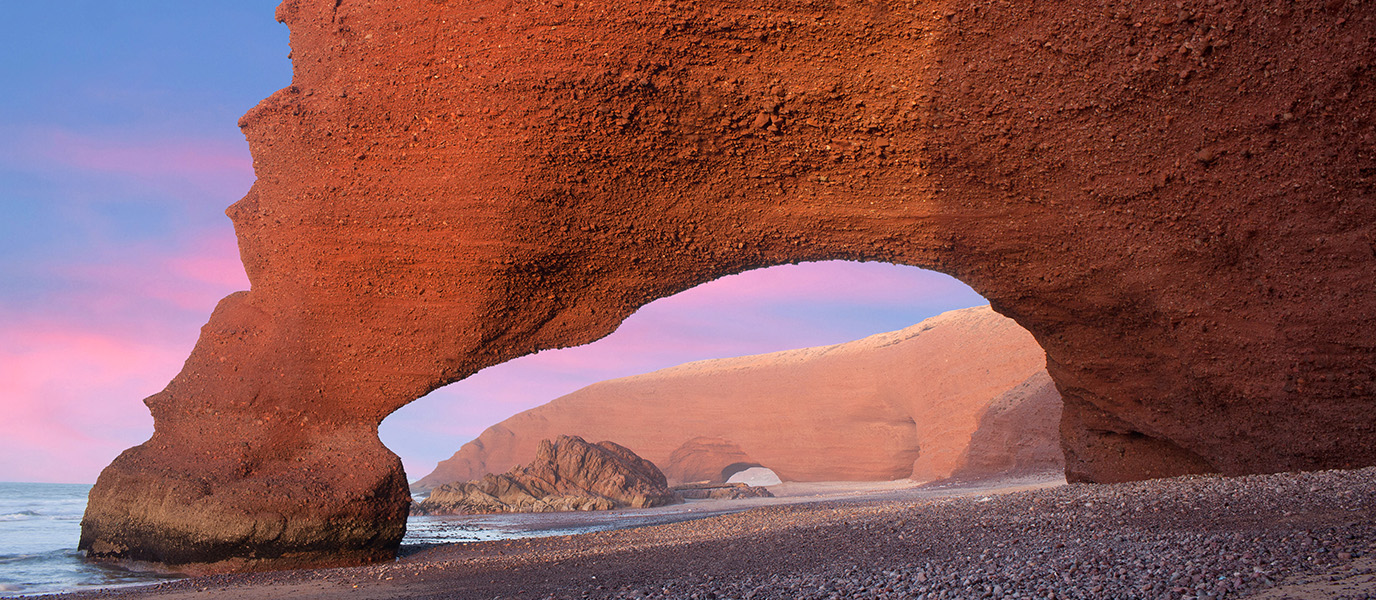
444, 186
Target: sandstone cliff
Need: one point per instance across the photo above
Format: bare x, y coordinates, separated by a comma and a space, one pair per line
566, 474
1019, 432
893, 405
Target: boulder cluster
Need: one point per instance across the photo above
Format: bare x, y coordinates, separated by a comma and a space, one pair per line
721, 491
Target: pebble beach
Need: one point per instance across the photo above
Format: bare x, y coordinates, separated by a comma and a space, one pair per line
1302, 535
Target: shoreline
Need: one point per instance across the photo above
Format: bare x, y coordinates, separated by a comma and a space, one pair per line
513, 526
1191, 537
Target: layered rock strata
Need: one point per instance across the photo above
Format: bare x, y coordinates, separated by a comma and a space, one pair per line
1174, 197
567, 474
889, 406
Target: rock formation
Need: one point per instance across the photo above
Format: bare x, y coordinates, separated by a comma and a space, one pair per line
889, 406
1175, 197
567, 474
720, 491
702, 458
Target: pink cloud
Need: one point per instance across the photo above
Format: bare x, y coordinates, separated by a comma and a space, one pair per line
140, 287
113, 167
73, 398
869, 283
215, 263
76, 365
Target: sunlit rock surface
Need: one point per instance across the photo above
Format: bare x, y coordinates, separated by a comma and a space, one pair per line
1174, 198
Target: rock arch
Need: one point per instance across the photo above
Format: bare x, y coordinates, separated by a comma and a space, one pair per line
706, 459
1174, 198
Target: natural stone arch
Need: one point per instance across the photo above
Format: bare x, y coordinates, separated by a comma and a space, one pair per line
448, 185
705, 459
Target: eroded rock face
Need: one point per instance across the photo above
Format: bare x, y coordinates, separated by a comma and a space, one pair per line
700, 459
1175, 199
567, 474
1017, 433
890, 406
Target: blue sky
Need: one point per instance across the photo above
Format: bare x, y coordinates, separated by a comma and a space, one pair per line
119, 151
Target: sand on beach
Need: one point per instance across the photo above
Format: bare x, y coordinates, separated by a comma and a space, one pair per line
1191, 537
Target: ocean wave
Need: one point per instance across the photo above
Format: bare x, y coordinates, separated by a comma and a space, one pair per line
23, 515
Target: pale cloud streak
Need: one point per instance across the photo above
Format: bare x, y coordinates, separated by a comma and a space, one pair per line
193, 159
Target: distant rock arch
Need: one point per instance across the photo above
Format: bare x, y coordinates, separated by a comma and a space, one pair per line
446, 186
709, 459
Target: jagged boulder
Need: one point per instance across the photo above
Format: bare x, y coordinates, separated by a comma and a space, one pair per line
567, 474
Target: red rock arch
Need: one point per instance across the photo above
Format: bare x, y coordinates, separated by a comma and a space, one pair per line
706, 459
1174, 198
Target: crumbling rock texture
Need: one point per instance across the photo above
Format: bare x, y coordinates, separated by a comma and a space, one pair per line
907, 403
1175, 197
566, 474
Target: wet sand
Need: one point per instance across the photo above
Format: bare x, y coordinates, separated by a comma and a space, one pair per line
1310, 535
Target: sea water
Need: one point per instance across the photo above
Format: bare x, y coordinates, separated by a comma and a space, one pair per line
39, 527
40, 524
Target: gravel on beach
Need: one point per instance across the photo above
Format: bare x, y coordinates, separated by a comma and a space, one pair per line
1296, 535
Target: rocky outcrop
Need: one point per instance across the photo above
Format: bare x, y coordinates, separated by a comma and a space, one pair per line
721, 491
1174, 198
890, 406
567, 474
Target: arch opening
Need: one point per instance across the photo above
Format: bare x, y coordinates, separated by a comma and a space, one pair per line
709, 430
755, 476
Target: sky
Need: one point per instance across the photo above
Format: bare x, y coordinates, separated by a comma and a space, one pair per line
119, 151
